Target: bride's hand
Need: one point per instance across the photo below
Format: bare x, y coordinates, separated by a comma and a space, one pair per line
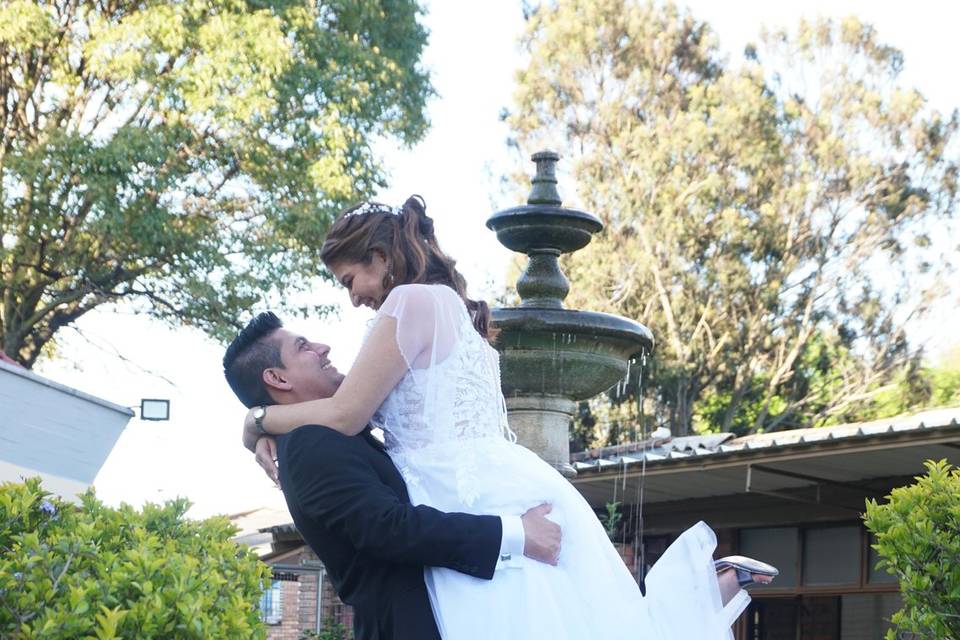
250, 433
266, 452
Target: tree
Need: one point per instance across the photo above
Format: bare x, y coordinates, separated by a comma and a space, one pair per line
187, 157
914, 388
90, 571
918, 539
774, 222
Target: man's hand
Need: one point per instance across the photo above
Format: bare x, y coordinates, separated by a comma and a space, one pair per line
541, 536
267, 458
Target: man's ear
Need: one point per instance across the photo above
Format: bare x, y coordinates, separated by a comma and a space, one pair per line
276, 378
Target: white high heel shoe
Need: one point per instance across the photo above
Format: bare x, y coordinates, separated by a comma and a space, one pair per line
745, 568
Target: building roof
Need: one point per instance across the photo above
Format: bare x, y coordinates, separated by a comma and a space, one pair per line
22, 372
691, 467
257, 527
720, 443
57, 432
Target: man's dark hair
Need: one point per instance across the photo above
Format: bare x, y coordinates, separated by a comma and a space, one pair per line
250, 353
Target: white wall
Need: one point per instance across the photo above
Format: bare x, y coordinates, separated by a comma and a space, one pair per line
54, 431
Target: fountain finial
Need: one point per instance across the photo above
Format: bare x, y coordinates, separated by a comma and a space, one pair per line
544, 229
544, 189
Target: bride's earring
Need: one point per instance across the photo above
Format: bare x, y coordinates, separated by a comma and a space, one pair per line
388, 279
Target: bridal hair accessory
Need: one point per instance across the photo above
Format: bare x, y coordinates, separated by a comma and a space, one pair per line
372, 207
424, 222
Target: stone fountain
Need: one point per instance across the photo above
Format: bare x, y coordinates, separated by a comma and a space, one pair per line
552, 357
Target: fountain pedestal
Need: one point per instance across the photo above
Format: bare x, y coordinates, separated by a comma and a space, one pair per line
552, 357
542, 424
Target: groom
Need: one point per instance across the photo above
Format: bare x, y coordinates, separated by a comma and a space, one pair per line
350, 503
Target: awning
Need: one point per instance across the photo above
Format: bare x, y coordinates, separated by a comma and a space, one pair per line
833, 466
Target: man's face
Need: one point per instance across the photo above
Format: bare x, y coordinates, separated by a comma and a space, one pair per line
306, 367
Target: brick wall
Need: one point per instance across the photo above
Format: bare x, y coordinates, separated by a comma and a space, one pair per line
307, 611
334, 610
300, 599
289, 628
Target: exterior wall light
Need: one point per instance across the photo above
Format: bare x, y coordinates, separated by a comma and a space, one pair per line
155, 409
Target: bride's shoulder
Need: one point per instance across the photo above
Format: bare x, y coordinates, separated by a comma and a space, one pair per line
410, 289
419, 296
423, 292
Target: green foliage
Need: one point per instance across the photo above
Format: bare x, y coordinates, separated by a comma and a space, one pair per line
611, 521
769, 218
90, 571
913, 388
818, 386
188, 156
331, 631
711, 411
918, 538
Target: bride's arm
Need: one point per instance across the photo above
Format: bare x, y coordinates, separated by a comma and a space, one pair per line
377, 370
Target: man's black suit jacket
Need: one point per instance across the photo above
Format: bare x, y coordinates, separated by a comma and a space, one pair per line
351, 505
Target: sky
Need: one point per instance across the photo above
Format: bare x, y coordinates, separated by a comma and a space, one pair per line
472, 55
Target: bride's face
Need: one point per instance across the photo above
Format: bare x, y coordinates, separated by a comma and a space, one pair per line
364, 282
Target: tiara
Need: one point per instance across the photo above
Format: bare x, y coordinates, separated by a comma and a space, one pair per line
373, 207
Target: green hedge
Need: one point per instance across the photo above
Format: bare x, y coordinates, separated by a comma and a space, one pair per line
91, 571
918, 538
331, 631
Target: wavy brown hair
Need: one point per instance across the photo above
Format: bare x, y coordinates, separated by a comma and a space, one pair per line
407, 240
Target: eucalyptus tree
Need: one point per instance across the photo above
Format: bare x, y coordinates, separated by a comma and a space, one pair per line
776, 221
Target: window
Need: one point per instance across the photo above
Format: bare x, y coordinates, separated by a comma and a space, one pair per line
875, 575
867, 616
271, 603
342, 614
772, 619
819, 618
776, 545
831, 555
858, 616
814, 598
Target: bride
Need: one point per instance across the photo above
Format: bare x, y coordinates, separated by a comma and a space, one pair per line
428, 376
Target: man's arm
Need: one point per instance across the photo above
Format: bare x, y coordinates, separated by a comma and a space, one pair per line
334, 483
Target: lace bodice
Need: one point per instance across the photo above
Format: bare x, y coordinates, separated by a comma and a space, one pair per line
451, 391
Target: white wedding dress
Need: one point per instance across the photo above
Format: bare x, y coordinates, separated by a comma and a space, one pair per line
446, 430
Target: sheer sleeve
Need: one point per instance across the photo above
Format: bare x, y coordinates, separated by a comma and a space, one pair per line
429, 322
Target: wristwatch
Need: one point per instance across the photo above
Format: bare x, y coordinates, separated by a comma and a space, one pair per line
258, 415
